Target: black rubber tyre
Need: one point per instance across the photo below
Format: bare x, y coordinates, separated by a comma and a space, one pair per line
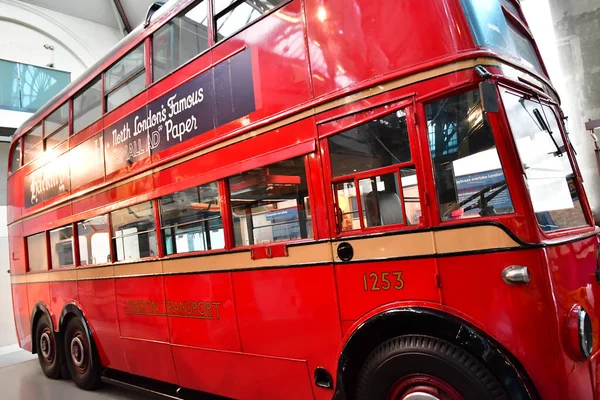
414, 359
49, 350
81, 358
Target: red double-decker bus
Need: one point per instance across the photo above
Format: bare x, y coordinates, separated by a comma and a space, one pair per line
298, 199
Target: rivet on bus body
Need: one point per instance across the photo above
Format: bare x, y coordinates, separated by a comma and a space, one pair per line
516, 275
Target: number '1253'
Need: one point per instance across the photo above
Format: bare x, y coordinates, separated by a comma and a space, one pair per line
383, 281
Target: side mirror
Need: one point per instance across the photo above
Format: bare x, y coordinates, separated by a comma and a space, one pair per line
489, 96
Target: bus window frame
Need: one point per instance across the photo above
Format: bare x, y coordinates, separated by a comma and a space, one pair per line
113, 237
48, 256
150, 41
509, 11
234, 4
352, 119
525, 201
229, 232
66, 124
42, 141
76, 223
506, 153
223, 204
51, 266
85, 88
519, 22
127, 79
11, 168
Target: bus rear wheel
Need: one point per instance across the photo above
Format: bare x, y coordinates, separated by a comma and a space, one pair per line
417, 367
81, 358
49, 350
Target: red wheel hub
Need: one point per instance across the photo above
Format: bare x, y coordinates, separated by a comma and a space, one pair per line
422, 387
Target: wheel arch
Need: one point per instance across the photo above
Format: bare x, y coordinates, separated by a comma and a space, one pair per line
72, 310
421, 320
37, 312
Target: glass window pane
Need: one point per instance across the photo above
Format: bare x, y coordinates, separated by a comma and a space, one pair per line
269, 204
36, 252
33, 144
128, 66
410, 194
126, 92
180, 40
15, 159
380, 200
191, 220
132, 246
57, 119
57, 137
347, 206
243, 14
548, 173
139, 216
87, 106
375, 144
524, 47
61, 247
491, 28
468, 175
94, 241
134, 231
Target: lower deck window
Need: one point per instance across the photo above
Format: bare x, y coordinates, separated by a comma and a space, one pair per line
271, 204
37, 255
382, 198
94, 241
61, 247
191, 220
134, 232
468, 174
373, 174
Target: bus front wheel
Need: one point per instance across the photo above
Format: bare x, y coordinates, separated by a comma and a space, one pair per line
424, 367
81, 357
49, 349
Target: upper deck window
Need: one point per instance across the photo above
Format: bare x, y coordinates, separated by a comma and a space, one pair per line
374, 178
510, 6
134, 232
233, 15
15, 158
468, 175
87, 106
125, 79
191, 220
56, 127
180, 40
33, 145
550, 179
492, 29
271, 204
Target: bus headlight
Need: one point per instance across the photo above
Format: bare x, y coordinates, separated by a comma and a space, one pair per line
578, 334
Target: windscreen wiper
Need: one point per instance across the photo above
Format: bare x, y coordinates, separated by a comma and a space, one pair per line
480, 195
546, 127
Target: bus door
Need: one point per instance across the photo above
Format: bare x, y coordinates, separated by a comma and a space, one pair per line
382, 253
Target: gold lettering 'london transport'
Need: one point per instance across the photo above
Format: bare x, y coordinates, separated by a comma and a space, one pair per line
170, 308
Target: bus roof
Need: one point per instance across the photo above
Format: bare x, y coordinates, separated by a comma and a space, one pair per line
129, 41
